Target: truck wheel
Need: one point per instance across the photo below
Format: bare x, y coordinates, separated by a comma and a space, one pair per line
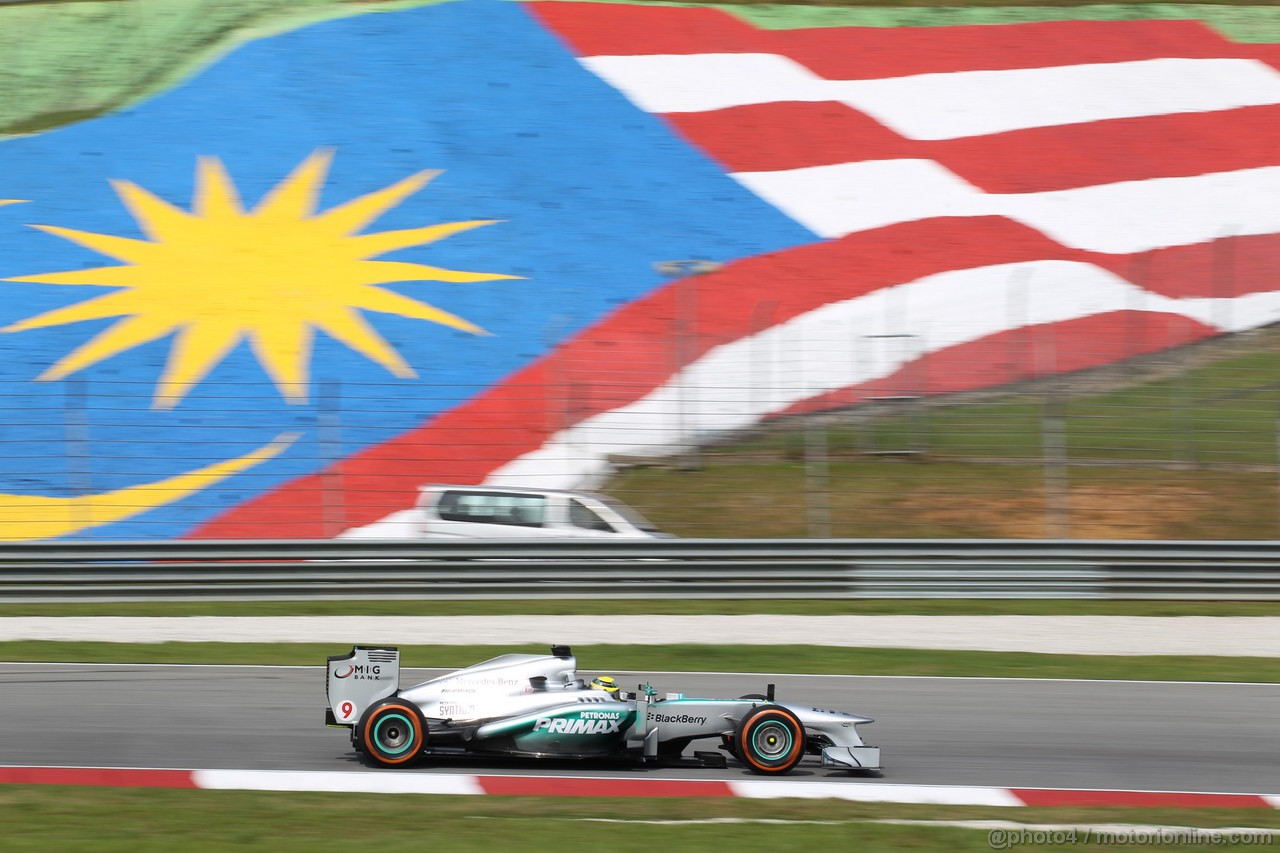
393, 733
770, 739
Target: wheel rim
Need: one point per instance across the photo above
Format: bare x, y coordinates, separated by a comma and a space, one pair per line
771, 741
393, 733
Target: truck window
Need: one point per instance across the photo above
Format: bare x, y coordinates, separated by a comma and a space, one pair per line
492, 508
581, 515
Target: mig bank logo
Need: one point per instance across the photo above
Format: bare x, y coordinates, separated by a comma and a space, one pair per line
361, 672
589, 723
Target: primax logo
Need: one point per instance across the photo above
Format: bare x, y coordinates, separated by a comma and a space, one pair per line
577, 727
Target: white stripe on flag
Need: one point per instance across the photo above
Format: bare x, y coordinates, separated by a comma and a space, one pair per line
1126, 217
976, 103
814, 353
947, 106
709, 81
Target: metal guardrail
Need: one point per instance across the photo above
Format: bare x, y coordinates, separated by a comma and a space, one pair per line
678, 568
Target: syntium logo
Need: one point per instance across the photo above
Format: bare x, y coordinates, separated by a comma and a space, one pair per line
565, 726
361, 672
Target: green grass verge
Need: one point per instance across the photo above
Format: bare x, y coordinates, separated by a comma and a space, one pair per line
1223, 411
1212, 429
690, 658
936, 498
806, 607
68, 62
130, 820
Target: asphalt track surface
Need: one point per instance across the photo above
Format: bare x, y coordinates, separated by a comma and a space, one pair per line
933, 731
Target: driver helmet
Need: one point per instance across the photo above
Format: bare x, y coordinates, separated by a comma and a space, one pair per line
607, 683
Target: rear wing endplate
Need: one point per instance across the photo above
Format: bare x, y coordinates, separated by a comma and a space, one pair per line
358, 679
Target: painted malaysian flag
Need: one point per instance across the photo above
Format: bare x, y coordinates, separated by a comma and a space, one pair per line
1009, 200
413, 246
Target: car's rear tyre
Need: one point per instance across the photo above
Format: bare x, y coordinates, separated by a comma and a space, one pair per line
393, 733
770, 739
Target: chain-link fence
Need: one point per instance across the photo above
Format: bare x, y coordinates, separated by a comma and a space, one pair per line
1181, 443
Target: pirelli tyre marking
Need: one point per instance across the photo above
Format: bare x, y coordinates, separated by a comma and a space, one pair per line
393, 733
770, 739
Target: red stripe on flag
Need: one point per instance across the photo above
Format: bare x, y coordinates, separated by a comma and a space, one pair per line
791, 135
1222, 269
1030, 352
779, 136
611, 29
113, 777
857, 53
622, 358
1138, 799
1268, 53
563, 786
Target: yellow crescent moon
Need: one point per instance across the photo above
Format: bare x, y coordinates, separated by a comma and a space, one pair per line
24, 517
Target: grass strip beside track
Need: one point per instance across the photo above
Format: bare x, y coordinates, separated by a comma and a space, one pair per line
690, 658
107, 820
656, 607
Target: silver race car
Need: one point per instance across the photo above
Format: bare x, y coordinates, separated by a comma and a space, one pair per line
537, 706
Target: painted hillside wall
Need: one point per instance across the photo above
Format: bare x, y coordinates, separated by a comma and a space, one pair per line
267, 267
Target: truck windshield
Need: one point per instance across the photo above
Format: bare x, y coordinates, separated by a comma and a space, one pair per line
635, 518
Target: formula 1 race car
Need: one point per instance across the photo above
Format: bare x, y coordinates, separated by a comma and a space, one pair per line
536, 706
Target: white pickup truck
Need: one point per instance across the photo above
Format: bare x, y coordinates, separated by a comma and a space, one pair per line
503, 512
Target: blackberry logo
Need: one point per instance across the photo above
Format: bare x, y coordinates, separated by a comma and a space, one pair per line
677, 718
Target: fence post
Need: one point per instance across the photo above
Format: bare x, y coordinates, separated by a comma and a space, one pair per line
330, 439
763, 369
556, 375
1016, 348
1224, 279
79, 462
1053, 431
816, 479
686, 354
686, 273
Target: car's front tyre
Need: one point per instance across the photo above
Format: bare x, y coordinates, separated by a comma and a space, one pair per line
393, 732
770, 739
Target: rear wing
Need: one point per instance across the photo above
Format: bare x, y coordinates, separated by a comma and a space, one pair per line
358, 679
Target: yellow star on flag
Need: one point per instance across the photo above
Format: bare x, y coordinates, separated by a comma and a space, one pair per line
220, 274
